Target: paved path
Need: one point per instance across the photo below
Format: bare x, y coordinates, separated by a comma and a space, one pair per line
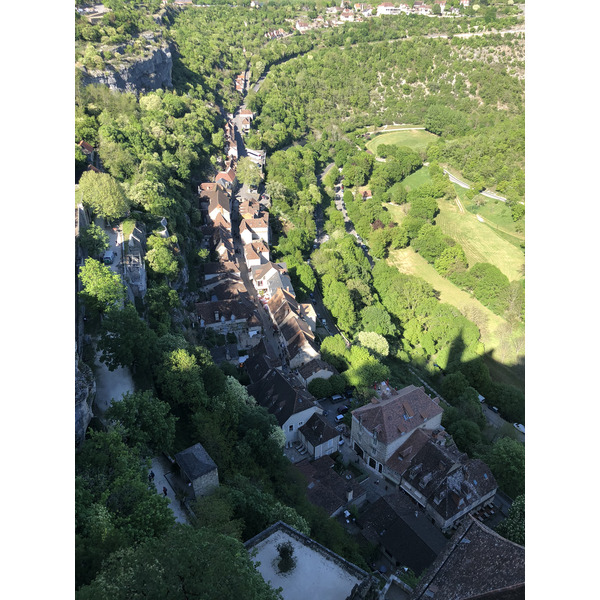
162, 469
110, 386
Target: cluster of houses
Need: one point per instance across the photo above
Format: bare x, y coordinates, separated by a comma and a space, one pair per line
276, 34
337, 15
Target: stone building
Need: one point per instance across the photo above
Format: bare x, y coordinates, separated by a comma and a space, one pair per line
198, 469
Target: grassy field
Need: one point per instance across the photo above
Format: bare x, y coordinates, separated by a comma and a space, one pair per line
502, 367
416, 139
480, 241
417, 179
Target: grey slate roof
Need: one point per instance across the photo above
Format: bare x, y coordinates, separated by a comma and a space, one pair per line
316, 430
195, 462
281, 396
477, 563
412, 540
449, 479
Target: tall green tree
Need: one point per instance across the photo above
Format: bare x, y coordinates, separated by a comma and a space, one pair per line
94, 240
127, 341
248, 172
513, 527
102, 287
104, 195
506, 459
185, 563
146, 421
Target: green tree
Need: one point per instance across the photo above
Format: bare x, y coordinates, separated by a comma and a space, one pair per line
94, 240
513, 527
161, 257
248, 172
102, 287
180, 380
184, 563
147, 422
104, 195
319, 388
127, 341
506, 459
453, 386
451, 260
374, 342
334, 351
376, 318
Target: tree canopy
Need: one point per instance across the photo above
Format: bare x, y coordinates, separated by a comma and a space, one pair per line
104, 195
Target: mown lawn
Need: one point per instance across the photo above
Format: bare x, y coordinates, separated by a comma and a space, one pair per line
415, 139
480, 241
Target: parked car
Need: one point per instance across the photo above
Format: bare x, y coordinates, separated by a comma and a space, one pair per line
336, 398
324, 321
108, 257
348, 392
495, 409
519, 427
339, 418
342, 410
312, 295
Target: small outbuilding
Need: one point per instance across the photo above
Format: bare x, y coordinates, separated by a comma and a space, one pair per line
198, 469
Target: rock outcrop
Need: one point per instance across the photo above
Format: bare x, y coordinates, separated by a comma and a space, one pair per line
135, 75
85, 391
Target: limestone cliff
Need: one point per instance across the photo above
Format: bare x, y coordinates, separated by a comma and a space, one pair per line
135, 74
85, 391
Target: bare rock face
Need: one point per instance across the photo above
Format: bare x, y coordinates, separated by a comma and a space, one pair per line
85, 391
136, 75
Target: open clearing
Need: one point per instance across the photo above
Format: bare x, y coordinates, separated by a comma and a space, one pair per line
415, 139
417, 179
480, 241
505, 367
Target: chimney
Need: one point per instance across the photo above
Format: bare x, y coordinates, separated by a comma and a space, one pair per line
349, 495
216, 315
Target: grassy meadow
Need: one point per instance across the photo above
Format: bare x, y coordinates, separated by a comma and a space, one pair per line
415, 139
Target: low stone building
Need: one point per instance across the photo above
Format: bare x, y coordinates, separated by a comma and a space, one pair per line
198, 469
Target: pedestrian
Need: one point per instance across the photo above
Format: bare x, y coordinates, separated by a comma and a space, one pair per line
165, 491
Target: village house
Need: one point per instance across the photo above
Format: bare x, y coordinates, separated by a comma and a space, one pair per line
270, 277
302, 349
442, 5
309, 315
347, 15
255, 229
219, 203
387, 8
260, 362
226, 316
401, 533
134, 268
227, 179
327, 489
249, 209
381, 427
316, 369
215, 270
257, 156
228, 289
477, 563
465, 3
318, 437
284, 397
256, 253
223, 244
447, 484
302, 26
198, 470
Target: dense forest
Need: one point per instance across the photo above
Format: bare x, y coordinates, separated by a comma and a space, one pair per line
322, 91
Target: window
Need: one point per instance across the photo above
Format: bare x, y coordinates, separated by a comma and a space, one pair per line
291, 428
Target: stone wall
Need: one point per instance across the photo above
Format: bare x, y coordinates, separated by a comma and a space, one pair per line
206, 484
85, 392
